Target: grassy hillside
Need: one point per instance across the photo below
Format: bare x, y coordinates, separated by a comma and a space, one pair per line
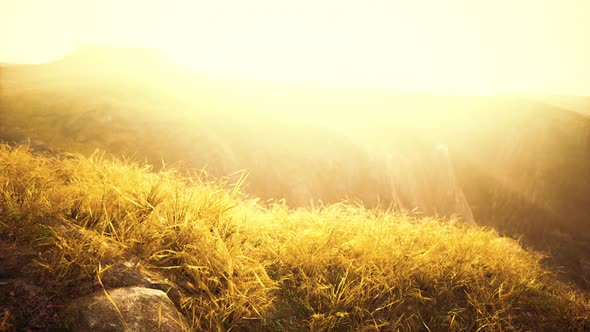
518, 164
268, 132
523, 166
234, 264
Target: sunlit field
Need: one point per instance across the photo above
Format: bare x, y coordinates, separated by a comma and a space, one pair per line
294, 166
230, 263
420, 212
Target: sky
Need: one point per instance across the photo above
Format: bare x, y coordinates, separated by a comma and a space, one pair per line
450, 46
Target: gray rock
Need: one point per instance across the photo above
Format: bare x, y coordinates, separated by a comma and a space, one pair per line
142, 309
131, 273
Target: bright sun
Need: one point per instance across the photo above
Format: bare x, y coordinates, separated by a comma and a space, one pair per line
455, 46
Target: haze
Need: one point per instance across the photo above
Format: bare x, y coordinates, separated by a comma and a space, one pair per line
450, 47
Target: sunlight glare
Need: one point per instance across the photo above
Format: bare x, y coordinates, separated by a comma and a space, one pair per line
450, 47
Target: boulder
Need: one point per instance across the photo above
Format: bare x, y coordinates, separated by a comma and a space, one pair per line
137, 309
131, 273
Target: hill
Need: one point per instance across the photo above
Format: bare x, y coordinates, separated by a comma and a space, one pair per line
579, 104
517, 164
229, 263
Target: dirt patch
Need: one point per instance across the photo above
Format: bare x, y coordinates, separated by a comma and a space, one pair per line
25, 304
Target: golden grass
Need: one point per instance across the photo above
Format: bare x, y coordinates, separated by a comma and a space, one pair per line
5, 317
236, 265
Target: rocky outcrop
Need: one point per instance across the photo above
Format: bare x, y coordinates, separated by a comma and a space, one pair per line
124, 309
139, 299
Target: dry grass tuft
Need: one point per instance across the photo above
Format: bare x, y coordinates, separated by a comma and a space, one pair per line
5, 320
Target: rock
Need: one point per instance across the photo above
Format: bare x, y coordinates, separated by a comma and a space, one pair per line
123, 274
142, 309
131, 273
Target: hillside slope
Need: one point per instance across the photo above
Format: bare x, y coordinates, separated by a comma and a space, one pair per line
154, 111
519, 165
230, 263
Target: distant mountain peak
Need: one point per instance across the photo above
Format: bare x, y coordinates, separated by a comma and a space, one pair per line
127, 57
